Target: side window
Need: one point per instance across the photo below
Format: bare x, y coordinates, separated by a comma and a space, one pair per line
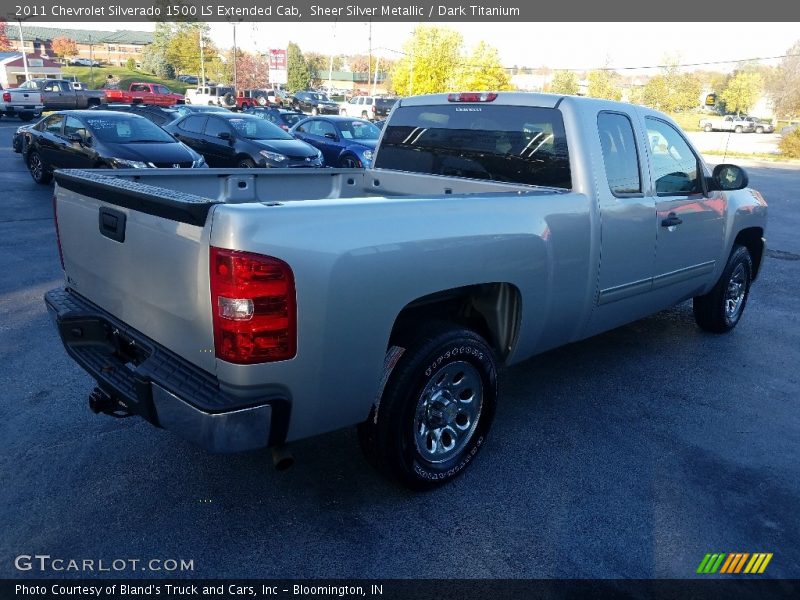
194, 124
676, 169
53, 124
216, 126
620, 155
320, 128
74, 126
353, 100
368, 101
65, 86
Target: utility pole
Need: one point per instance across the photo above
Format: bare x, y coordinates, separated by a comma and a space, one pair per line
235, 81
369, 60
202, 61
24, 55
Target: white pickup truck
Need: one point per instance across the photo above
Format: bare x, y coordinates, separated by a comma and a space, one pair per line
23, 103
246, 308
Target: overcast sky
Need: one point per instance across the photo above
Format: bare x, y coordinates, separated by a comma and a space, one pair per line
556, 45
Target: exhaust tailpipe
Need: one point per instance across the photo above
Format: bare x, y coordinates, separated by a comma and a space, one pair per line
282, 458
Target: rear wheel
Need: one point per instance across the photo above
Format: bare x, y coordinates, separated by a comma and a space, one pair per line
26, 117
759, 130
38, 169
364, 114
720, 310
738, 129
436, 409
707, 128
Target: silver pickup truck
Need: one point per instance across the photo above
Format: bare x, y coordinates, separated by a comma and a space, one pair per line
251, 308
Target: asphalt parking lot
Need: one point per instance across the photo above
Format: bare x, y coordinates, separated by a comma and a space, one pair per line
632, 454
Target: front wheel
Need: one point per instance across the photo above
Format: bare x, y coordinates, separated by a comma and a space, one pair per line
738, 129
707, 128
436, 409
38, 169
720, 309
246, 163
350, 162
759, 130
26, 117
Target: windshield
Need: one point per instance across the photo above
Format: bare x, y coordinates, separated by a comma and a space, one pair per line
516, 144
359, 130
126, 129
253, 128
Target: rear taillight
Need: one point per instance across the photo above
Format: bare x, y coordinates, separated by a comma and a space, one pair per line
472, 97
58, 235
6, 96
373, 109
255, 310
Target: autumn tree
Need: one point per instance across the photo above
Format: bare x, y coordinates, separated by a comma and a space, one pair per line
603, 84
784, 85
298, 76
430, 59
564, 82
64, 47
251, 70
742, 92
5, 44
482, 71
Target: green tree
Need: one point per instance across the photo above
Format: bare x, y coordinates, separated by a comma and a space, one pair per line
183, 48
431, 58
672, 91
603, 84
742, 92
784, 85
482, 71
564, 82
299, 75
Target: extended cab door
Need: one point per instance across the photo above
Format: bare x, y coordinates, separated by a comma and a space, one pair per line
689, 223
627, 216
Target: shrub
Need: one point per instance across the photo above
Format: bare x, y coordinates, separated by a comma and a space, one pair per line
790, 144
130, 64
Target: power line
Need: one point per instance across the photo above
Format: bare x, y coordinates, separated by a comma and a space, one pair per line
668, 66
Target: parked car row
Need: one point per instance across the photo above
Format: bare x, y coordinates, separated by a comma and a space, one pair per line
132, 135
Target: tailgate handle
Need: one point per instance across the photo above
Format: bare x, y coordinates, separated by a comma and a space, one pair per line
112, 224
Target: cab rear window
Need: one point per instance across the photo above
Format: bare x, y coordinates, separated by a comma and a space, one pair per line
514, 144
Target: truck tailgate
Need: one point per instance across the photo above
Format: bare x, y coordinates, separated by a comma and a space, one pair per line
141, 253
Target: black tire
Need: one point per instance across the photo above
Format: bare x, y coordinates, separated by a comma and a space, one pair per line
445, 381
246, 163
721, 309
759, 130
26, 117
38, 168
350, 162
737, 129
364, 114
708, 128
262, 100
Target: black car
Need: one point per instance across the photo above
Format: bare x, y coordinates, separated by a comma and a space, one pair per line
159, 115
314, 103
244, 141
282, 117
83, 139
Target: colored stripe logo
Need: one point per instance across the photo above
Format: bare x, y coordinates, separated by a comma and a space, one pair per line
735, 563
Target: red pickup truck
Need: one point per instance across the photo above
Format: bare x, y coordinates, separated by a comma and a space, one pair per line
145, 93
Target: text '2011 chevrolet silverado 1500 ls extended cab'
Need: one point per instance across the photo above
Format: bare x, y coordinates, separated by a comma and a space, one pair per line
245, 308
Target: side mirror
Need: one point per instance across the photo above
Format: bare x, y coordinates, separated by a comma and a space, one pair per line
332, 136
75, 138
727, 178
225, 135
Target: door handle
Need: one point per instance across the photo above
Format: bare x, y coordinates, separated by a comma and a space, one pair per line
671, 220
